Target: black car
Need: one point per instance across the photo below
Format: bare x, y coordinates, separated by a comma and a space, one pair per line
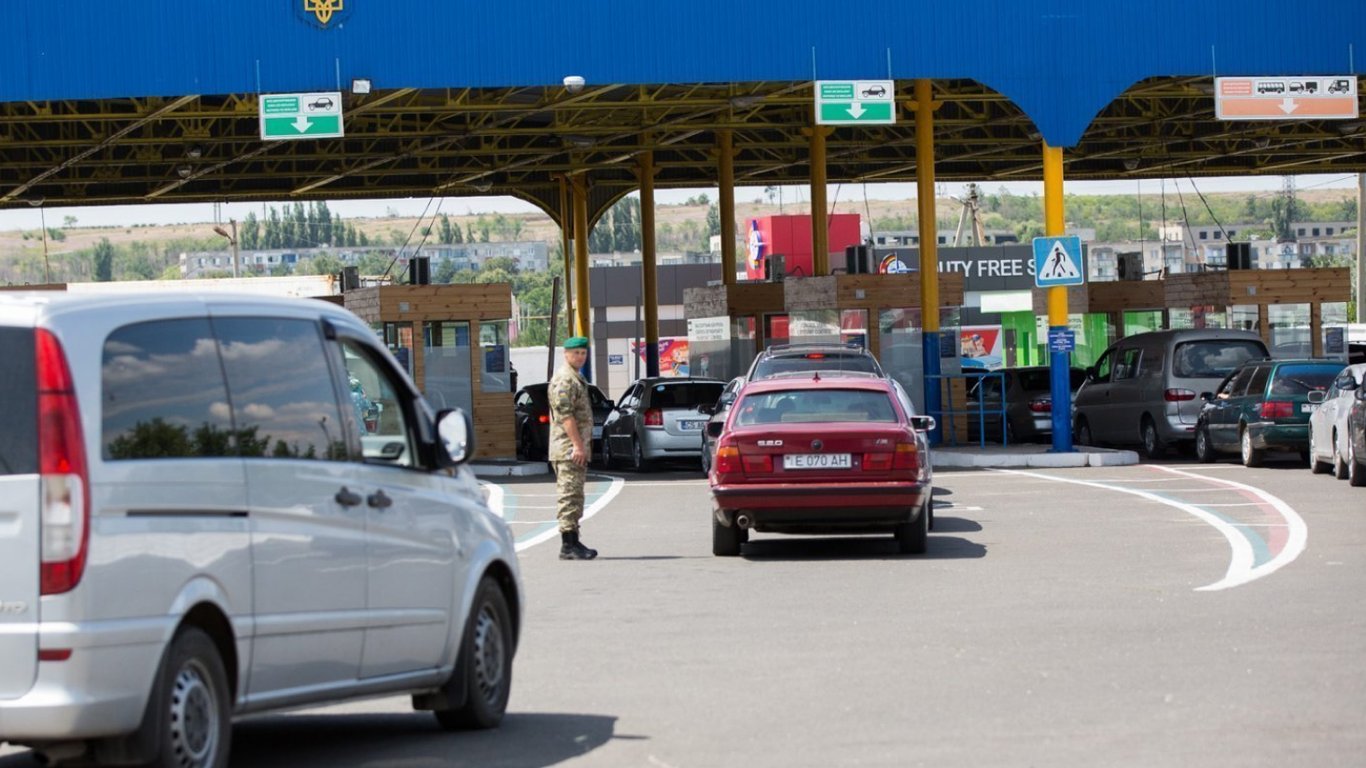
718, 411
1356, 440
532, 420
1028, 403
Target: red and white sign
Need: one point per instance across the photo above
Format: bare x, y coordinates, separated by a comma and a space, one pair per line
1286, 98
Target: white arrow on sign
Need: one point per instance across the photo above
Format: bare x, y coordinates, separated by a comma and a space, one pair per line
1288, 105
856, 109
302, 124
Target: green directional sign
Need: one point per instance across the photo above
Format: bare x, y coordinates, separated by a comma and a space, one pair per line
301, 116
855, 102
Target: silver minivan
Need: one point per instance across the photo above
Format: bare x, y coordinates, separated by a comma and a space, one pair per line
217, 505
1146, 388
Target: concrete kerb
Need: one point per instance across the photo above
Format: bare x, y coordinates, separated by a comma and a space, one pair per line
961, 457
508, 468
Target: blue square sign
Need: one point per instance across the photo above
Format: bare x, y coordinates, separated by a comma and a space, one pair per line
1057, 261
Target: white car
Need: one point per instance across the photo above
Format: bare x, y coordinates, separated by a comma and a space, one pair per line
218, 505
1328, 422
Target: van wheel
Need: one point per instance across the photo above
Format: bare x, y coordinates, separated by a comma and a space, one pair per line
1204, 449
1153, 447
1084, 432
191, 709
1252, 457
485, 664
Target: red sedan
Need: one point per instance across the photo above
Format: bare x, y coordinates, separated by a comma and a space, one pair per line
825, 454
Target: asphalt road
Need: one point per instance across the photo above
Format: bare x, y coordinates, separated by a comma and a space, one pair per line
1157, 615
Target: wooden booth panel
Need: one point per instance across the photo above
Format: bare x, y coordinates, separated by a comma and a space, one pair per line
1290, 286
754, 298
1119, 295
494, 434
1197, 289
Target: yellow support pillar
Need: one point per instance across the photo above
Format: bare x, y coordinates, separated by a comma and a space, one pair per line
580, 184
566, 225
649, 283
925, 106
726, 167
820, 222
1060, 362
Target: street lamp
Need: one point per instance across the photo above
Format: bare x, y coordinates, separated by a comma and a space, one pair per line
231, 239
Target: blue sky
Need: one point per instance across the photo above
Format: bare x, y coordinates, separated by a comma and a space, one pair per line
127, 215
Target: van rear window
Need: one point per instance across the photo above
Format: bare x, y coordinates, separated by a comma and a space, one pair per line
18, 392
1214, 359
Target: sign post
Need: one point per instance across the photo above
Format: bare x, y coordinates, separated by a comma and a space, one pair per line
301, 116
855, 102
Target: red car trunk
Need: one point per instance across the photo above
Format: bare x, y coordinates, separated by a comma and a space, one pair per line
824, 453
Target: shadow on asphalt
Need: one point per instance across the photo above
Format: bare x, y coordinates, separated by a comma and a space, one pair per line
525, 740
944, 524
862, 548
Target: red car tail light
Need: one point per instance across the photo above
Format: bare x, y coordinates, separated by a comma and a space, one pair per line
877, 461
65, 479
1178, 395
727, 460
1042, 405
1277, 409
544, 418
907, 457
654, 417
755, 465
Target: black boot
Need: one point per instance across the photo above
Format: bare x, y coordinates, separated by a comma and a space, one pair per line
571, 549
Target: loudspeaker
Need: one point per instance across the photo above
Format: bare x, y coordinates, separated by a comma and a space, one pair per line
420, 271
857, 260
775, 268
1129, 266
350, 279
1239, 255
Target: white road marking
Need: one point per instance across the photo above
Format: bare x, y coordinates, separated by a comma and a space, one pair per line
593, 509
1240, 568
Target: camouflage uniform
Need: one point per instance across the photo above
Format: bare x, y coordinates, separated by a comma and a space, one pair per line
568, 394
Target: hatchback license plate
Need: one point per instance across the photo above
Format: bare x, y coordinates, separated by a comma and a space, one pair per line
1306, 407
817, 461
690, 424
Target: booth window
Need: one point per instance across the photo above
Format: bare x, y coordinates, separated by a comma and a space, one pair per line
495, 365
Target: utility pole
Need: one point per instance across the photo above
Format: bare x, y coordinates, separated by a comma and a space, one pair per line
1361, 248
231, 239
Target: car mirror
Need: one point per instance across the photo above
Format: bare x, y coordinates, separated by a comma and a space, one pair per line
1317, 396
1091, 373
611, 405
1361, 393
1348, 386
923, 423
455, 437
714, 429
1207, 396
706, 408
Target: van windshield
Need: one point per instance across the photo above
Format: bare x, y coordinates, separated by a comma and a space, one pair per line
1214, 359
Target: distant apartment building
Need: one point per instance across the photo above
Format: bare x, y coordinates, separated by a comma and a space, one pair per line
528, 256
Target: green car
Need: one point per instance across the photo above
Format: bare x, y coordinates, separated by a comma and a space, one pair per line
1263, 405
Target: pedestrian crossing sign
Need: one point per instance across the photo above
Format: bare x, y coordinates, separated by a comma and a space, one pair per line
1057, 261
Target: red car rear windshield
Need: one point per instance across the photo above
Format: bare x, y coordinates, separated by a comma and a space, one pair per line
804, 406
814, 361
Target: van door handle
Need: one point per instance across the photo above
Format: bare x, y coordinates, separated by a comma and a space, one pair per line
379, 501
347, 498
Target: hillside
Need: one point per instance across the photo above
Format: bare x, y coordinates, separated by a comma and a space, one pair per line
147, 251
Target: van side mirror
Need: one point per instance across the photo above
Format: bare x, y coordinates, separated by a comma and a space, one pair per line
1316, 396
714, 428
1348, 386
455, 437
923, 423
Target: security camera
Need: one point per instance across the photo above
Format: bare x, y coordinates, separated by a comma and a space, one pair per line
573, 83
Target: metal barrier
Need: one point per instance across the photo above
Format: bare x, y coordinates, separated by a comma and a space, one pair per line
981, 411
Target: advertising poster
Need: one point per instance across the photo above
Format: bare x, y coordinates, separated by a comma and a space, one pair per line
673, 356
980, 346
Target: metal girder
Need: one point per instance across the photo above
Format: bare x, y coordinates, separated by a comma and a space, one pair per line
521, 140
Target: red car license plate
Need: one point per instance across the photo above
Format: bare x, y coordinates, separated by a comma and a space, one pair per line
817, 461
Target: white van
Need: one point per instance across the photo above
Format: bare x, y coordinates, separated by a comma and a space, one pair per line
217, 505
